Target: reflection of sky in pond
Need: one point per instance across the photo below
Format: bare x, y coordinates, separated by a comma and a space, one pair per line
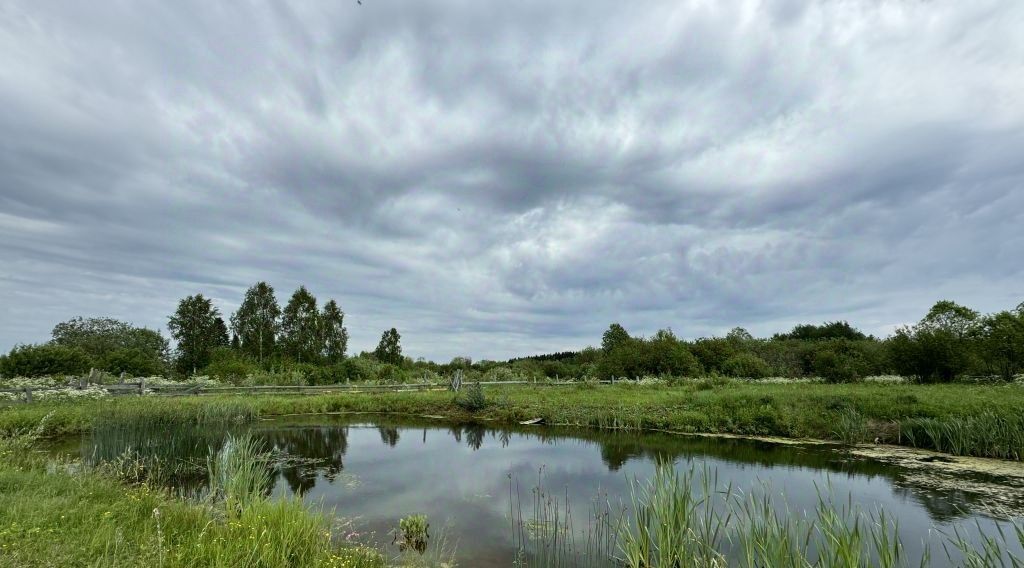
459, 477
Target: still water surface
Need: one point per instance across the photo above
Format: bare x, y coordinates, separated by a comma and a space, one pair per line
374, 471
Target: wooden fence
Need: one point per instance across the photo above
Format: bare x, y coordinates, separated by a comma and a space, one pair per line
139, 388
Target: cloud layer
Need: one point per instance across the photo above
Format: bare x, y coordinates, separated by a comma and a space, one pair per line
506, 178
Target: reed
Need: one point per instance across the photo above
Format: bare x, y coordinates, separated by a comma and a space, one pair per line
983, 434
850, 427
240, 473
686, 520
546, 535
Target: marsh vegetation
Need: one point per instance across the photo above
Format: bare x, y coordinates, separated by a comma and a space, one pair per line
322, 489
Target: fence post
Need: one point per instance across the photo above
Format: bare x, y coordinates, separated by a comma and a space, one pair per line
28, 394
142, 386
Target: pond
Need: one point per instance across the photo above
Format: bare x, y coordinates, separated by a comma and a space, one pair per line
472, 481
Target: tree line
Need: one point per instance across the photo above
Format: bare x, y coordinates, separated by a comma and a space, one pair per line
258, 335
304, 343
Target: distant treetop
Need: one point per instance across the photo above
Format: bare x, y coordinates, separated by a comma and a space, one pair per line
827, 330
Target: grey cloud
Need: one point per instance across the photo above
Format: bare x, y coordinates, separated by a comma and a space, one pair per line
498, 179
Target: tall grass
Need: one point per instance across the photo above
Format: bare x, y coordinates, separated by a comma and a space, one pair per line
986, 419
685, 520
850, 427
240, 473
58, 514
984, 434
990, 552
546, 536
163, 445
671, 525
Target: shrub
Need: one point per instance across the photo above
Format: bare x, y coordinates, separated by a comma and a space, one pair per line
712, 353
413, 532
46, 359
472, 398
359, 369
835, 367
389, 373
746, 365
325, 374
132, 361
500, 374
711, 382
229, 365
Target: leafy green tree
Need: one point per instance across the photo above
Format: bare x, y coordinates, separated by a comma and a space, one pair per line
230, 365
41, 360
300, 327
927, 354
827, 330
713, 352
221, 331
940, 347
257, 321
98, 337
133, 362
334, 334
840, 360
1002, 342
389, 350
614, 336
665, 355
950, 317
662, 354
738, 335
194, 326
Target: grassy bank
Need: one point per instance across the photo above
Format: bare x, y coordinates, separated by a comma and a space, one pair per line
979, 420
55, 513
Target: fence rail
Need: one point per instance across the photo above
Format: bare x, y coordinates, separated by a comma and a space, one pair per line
140, 388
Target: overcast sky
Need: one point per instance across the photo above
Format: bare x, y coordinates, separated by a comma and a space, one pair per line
503, 178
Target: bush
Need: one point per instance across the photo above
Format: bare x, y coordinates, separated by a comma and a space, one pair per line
711, 382
46, 359
712, 353
746, 365
133, 362
835, 367
472, 398
229, 365
500, 374
325, 374
842, 361
359, 369
391, 374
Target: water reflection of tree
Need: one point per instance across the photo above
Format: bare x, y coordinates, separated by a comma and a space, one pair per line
456, 431
388, 435
320, 450
619, 447
475, 436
